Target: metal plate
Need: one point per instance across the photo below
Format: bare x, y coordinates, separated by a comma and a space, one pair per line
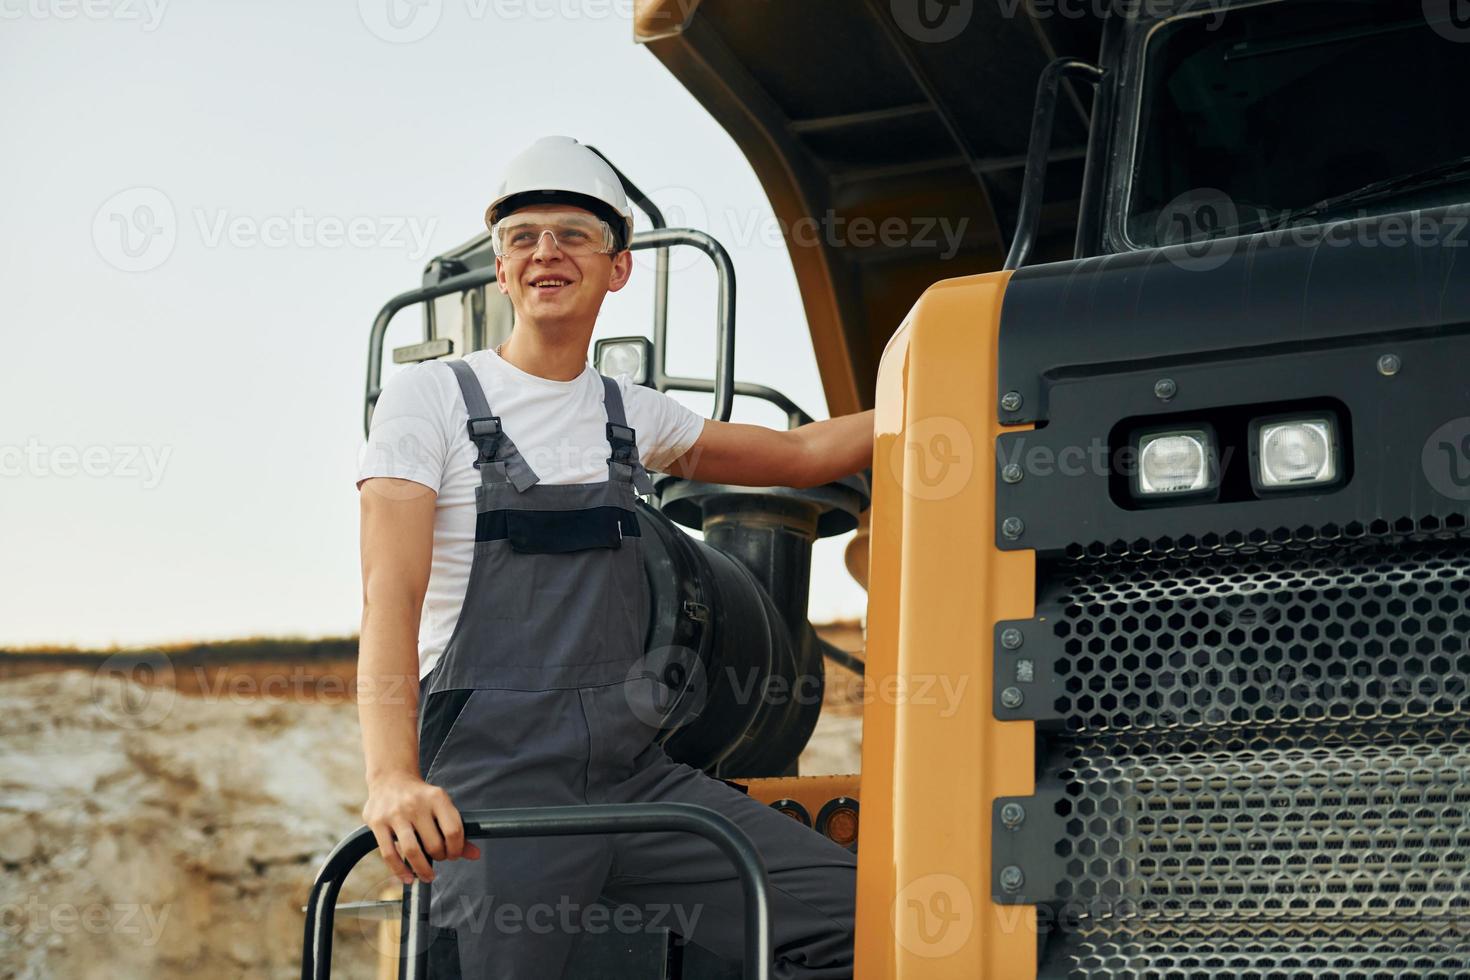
1064, 497
1068, 320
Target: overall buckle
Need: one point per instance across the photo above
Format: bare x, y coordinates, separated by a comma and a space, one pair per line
485, 434
620, 437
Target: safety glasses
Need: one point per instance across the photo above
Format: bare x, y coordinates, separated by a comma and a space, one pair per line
573, 232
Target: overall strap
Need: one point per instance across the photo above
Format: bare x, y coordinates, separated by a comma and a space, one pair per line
624, 463
497, 459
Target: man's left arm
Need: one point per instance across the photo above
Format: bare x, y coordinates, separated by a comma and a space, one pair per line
755, 456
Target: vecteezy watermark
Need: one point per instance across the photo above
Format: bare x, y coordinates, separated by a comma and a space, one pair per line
138, 689
135, 690
940, 235
934, 459
297, 685
932, 21
928, 232
407, 21
300, 229
669, 686
1445, 459
943, 691
1198, 221
97, 918
137, 229
1097, 458
400, 21
933, 915
1098, 10
478, 914
937, 21
1202, 228
123, 462
1449, 18
148, 13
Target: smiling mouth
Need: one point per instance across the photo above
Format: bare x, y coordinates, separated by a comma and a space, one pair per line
550, 283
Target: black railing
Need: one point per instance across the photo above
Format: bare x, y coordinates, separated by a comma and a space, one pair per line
549, 821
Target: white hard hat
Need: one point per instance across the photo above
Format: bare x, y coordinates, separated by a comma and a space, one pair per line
563, 171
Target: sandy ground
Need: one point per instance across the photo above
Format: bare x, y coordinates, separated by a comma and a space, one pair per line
173, 831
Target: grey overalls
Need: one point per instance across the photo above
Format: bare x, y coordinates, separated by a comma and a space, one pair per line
539, 699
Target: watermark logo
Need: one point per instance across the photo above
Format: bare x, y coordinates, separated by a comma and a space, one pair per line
407, 448
667, 687
1450, 19
1446, 459
400, 21
135, 230
681, 208
1199, 222
935, 458
933, 916
146, 694
932, 21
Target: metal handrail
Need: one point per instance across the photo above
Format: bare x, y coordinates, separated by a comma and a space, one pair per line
424, 294
548, 821
724, 381
1033, 184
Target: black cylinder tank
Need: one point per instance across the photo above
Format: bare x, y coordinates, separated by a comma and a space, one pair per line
728, 632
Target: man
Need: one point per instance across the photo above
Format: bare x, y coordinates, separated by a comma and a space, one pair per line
502, 566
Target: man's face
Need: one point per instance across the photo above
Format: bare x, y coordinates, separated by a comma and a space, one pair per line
548, 285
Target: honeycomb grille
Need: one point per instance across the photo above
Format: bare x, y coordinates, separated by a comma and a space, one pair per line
1367, 632
1405, 957
1373, 824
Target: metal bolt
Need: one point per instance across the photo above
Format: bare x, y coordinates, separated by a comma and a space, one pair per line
1011, 638
1165, 388
1012, 815
1011, 473
1389, 364
1011, 401
1011, 878
1012, 697
1012, 527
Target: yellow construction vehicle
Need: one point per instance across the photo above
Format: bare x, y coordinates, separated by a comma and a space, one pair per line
1163, 306
1185, 495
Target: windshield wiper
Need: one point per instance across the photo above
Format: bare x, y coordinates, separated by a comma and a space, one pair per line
1442, 173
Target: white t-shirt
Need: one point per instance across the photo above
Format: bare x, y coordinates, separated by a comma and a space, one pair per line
418, 433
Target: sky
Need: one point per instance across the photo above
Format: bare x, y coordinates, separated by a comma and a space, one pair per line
204, 205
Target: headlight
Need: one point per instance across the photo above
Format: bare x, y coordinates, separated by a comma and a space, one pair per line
1176, 462
624, 355
1295, 452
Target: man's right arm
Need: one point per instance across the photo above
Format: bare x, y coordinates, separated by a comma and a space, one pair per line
409, 818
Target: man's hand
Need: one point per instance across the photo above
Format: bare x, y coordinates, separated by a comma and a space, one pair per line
755, 456
412, 822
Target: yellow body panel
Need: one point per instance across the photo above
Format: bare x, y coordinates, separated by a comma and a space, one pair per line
934, 759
